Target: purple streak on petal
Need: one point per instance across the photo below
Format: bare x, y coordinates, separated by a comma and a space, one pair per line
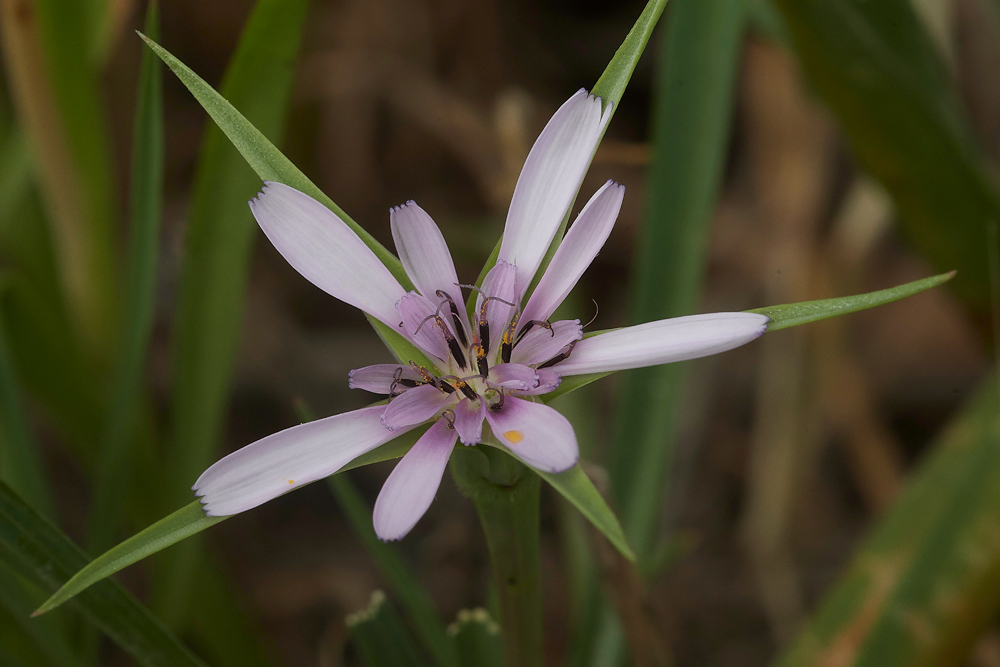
327, 252
415, 406
469, 416
549, 181
536, 434
411, 486
663, 342
548, 380
423, 252
413, 310
499, 283
539, 345
513, 376
578, 249
378, 378
288, 459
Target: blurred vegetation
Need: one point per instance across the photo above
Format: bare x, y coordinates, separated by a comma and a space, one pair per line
827, 496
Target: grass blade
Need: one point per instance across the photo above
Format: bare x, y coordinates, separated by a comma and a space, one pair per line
876, 68
20, 463
926, 583
576, 487
35, 550
146, 200
182, 524
697, 74
57, 94
794, 314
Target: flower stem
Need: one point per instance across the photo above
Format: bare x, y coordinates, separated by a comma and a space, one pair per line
506, 496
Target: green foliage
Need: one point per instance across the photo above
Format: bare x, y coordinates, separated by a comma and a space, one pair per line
35, 550
145, 211
926, 582
477, 637
876, 68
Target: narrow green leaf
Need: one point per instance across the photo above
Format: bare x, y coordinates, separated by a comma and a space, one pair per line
611, 86
576, 487
40, 553
184, 523
412, 595
926, 583
794, 314
220, 236
20, 462
261, 154
83, 218
145, 210
877, 69
381, 636
477, 638
696, 75
49, 634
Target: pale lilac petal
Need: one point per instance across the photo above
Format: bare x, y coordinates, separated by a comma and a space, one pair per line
426, 333
513, 376
539, 345
549, 181
415, 406
548, 380
663, 342
327, 252
469, 416
379, 377
499, 283
578, 249
288, 459
423, 252
410, 488
535, 433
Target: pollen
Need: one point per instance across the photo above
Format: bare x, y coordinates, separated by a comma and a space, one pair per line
291, 481
513, 437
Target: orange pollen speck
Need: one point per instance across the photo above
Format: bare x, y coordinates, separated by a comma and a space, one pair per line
291, 481
513, 437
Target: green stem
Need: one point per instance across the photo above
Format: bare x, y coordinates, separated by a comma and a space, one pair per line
506, 495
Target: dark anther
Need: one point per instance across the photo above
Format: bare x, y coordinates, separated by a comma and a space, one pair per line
469, 392
425, 376
529, 325
562, 356
455, 317
445, 387
481, 363
453, 346
507, 340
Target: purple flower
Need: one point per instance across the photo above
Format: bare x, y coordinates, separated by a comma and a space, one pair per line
487, 369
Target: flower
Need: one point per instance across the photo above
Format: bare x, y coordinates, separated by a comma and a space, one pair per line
487, 369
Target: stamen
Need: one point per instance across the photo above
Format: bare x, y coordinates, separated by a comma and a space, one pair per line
507, 340
529, 325
498, 406
480, 354
449, 416
397, 375
425, 375
463, 386
456, 318
562, 356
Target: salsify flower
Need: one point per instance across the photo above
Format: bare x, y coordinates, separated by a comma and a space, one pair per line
488, 368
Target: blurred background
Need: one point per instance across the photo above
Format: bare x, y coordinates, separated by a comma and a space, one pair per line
771, 154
